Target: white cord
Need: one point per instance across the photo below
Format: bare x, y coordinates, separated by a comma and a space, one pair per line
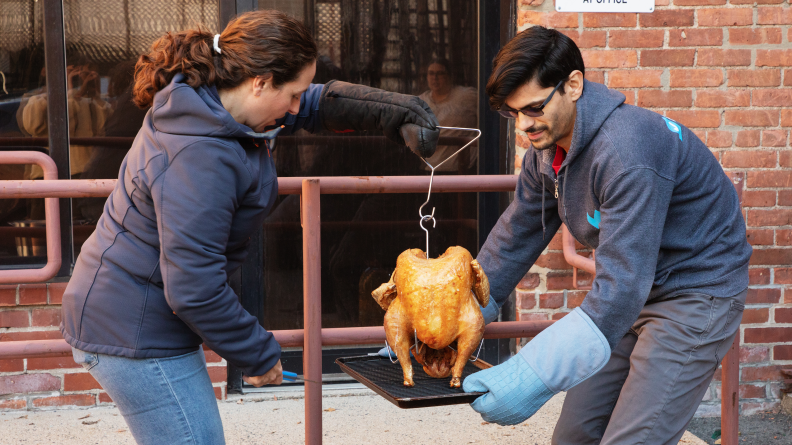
4, 88
217, 43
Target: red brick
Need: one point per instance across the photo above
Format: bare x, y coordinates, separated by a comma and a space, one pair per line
666, 99
56, 292
786, 115
754, 78
783, 315
559, 315
753, 391
13, 404
784, 196
774, 138
719, 139
8, 295
70, 400
553, 300
26, 383
526, 300
548, 20
46, 317
768, 335
65, 362
763, 295
609, 58
671, 18
751, 2
218, 390
773, 57
754, 36
782, 352
758, 276
774, 217
641, 38
587, 39
760, 373
753, 316
81, 381
774, 16
529, 281
752, 118
32, 294
595, 76
12, 365
784, 237
629, 96
749, 159
772, 98
782, 275
668, 57
725, 17
759, 198
635, 78
575, 298
702, 136
747, 138
552, 260
723, 57
696, 118
788, 73
609, 20
14, 319
696, 78
755, 354
721, 98
559, 280
532, 316
217, 373
785, 160
774, 178
759, 237
34, 335
695, 37
105, 398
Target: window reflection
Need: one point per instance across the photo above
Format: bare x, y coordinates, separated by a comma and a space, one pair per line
22, 82
372, 42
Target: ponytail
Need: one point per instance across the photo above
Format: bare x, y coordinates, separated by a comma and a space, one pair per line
254, 44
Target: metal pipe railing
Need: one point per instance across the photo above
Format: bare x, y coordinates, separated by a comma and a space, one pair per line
313, 337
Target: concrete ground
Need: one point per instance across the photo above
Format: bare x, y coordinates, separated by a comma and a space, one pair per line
350, 417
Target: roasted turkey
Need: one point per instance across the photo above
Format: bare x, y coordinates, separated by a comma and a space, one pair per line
436, 300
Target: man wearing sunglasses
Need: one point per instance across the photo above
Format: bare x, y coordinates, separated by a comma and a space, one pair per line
637, 356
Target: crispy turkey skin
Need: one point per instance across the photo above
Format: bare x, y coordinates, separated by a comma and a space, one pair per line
437, 300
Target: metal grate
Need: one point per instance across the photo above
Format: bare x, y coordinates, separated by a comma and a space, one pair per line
385, 378
328, 31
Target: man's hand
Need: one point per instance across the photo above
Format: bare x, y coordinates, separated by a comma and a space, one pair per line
273, 377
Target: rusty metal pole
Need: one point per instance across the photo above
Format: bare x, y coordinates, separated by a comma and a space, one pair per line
312, 302
730, 398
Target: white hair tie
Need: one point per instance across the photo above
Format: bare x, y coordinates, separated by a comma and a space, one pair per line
217, 43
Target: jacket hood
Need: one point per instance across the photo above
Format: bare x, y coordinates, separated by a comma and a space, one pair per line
181, 109
594, 107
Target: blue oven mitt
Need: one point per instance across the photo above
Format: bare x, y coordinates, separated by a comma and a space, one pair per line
560, 357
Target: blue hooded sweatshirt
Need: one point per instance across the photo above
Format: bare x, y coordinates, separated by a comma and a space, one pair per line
644, 192
151, 281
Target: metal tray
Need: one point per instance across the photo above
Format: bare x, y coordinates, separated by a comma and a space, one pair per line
386, 379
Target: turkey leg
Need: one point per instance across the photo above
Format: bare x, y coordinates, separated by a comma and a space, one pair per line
399, 332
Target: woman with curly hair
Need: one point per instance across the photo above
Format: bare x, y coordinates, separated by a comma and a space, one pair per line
150, 284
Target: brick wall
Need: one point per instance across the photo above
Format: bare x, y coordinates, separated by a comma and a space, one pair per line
32, 312
725, 71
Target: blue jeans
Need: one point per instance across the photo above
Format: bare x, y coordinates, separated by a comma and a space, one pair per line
165, 401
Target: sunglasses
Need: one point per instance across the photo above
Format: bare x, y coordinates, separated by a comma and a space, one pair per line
511, 113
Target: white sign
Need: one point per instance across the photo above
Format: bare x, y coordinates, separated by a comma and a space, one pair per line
605, 5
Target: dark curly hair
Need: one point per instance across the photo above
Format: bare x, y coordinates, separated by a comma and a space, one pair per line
254, 44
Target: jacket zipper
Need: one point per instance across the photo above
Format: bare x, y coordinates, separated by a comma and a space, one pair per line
556, 186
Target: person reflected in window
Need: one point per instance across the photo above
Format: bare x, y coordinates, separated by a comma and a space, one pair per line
454, 106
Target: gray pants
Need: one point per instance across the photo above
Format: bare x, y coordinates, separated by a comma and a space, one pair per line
657, 375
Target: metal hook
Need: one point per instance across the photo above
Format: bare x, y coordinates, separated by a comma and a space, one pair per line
430, 217
477, 352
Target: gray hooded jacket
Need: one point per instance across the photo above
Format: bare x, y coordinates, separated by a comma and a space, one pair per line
644, 192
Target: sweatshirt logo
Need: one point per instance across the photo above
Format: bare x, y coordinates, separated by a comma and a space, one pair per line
595, 221
673, 126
